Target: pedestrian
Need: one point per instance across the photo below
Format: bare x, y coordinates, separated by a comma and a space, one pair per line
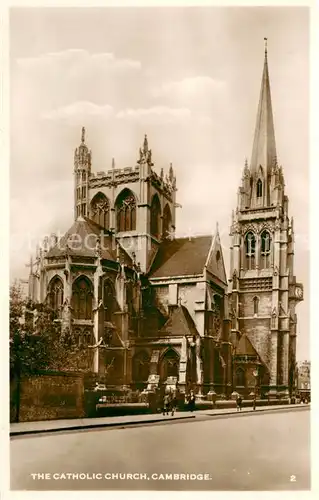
191, 401
174, 404
254, 403
239, 402
166, 404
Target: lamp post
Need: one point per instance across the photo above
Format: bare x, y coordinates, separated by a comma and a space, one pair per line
255, 373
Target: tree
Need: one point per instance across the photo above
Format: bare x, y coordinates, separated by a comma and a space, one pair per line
37, 342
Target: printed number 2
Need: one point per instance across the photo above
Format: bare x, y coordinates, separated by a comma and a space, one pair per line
292, 479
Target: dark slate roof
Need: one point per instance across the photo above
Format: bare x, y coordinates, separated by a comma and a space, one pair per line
180, 323
245, 347
181, 257
84, 245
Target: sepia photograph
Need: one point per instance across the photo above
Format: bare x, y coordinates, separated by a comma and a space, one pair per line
159, 332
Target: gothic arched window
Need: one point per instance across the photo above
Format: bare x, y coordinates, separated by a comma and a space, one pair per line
78, 336
141, 362
240, 378
250, 244
167, 221
100, 210
170, 364
56, 295
82, 295
259, 188
265, 250
256, 303
126, 211
155, 216
87, 338
108, 300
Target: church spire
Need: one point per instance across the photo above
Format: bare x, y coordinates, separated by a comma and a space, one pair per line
264, 147
83, 135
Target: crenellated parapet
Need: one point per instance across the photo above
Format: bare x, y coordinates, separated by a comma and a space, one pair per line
164, 183
114, 177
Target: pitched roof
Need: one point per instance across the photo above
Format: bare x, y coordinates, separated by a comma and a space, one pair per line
180, 323
264, 146
245, 347
181, 257
215, 261
81, 239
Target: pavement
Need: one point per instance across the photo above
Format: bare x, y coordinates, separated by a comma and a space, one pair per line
268, 450
39, 427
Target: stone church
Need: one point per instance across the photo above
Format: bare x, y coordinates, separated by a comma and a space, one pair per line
158, 310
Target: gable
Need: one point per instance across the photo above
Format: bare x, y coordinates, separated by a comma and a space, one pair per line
245, 347
180, 323
215, 262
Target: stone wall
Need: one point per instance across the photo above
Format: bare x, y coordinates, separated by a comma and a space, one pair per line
264, 304
52, 395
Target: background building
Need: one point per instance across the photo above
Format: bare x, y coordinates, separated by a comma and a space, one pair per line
303, 380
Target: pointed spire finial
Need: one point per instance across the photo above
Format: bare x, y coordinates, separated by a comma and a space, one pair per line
265, 40
83, 135
113, 163
145, 145
264, 145
171, 172
217, 228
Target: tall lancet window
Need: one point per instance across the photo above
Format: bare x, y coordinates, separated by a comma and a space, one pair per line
259, 189
82, 296
56, 295
100, 210
265, 250
155, 216
126, 211
108, 300
167, 221
250, 244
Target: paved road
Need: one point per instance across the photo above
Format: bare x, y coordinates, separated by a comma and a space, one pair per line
248, 452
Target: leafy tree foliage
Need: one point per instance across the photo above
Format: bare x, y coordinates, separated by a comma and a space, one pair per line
37, 342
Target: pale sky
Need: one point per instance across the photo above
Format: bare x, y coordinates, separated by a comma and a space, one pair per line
189, 78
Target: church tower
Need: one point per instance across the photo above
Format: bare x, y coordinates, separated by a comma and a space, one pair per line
82, 171
263, 288
136, 204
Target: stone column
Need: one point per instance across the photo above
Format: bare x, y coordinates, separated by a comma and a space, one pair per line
183, 365
199, 365
236, 253
273, 363
67, 295
285, 361
96, 311
257, 252
242, 252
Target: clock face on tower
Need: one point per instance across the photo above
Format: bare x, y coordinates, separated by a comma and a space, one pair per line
298, 292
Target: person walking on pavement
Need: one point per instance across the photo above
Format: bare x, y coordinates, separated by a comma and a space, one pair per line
239, 402
191, 403
166, 404
174, 404
254, 403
